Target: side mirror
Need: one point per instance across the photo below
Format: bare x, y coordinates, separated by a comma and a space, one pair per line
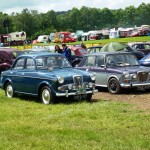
103, 66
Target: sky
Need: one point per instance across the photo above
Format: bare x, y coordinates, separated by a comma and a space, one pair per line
64, 5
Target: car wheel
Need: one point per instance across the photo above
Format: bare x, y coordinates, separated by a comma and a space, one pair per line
9, 91
114, 86
89, 96
46, 96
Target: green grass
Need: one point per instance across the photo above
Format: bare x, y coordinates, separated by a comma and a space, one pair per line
123, 40
92, 42
26, 124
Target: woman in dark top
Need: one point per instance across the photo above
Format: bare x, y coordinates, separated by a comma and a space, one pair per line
58, 49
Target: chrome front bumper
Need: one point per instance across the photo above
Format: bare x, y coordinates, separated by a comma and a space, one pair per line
134, 85
75, 93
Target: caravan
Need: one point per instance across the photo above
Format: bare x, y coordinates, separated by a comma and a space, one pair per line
16, 38
63, 37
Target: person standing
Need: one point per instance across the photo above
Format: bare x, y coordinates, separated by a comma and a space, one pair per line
58, 49
82, 45
66, 52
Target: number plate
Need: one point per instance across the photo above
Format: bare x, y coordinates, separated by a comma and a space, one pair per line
80, 97
144, 87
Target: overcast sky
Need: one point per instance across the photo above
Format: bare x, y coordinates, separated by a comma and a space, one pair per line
64, 5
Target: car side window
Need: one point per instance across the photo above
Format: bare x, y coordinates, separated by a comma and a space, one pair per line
99, 61
147, 46
90, 61
92, 50
19, 64
110, 61
98, 49
30, 64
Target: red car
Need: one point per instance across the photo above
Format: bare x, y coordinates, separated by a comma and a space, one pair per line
7, 57
77, 53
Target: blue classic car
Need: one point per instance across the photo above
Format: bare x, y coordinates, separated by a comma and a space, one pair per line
48, 76
116, 70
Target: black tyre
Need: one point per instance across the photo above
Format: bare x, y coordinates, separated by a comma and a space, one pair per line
89, 96
114, 86
46, 96
9, 91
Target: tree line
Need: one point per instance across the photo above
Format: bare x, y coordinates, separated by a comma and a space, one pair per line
85, 18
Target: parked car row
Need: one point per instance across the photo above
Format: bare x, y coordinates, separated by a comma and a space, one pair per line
48, 75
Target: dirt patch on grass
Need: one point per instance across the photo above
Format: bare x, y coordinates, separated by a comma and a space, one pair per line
140, 99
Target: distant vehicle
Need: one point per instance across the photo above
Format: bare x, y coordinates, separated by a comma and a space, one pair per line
113, 34
47, 76
51, 36
85, 36
78, 35
43, 39
16, 38
124, 32
77, 54
7, 57
141, 46
116, 70
63, 37
95, 35
3, 40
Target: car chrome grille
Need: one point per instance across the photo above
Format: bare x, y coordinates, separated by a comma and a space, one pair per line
78, 81
142, 76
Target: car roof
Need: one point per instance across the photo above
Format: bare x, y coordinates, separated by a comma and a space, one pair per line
108, 53
95, 46
37, 54
8, 49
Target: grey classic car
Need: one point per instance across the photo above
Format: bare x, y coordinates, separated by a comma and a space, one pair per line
48, 76
116, 70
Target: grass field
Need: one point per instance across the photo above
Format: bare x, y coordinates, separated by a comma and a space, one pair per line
102, 125
105, 41
91, 42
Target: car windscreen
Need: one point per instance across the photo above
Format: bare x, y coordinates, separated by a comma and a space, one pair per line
46, 62
121, 60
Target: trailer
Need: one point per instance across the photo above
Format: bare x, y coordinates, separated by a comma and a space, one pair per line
16, 38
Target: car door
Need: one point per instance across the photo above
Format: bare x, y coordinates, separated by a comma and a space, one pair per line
24, 75
100, 70
29, 77
16, 74
96, 64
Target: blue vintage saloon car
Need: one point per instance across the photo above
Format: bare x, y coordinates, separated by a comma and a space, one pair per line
116, 70
48, 76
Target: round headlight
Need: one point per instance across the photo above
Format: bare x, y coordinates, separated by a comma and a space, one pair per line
134, 76
126, 74
93, 76
60, 80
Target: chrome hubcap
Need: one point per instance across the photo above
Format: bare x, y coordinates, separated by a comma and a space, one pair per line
46, 96
9, 91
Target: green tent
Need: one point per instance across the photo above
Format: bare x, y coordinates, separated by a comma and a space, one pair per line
113, 46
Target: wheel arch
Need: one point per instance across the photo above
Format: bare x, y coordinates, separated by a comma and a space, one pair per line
113, 76
6, 81
42, 85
